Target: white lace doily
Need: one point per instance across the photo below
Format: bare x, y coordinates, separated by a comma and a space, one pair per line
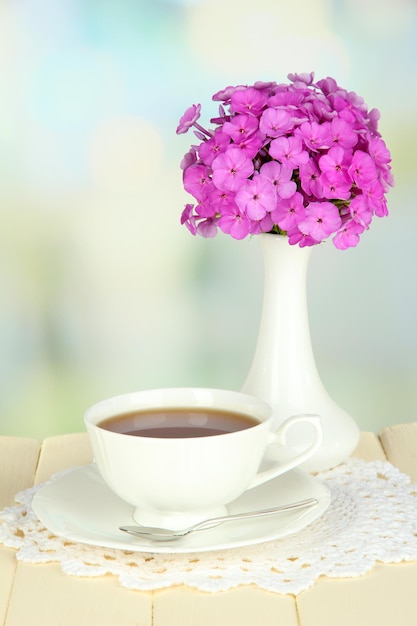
372, 518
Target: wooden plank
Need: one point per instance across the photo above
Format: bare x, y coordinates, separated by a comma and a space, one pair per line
243, 606
385, 596
369, 448
61, 452
18, 460
400, 445
43, 596
7, 572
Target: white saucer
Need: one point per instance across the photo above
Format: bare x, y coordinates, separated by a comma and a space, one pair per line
79, 506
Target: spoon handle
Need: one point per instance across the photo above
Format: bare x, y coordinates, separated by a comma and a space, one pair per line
251, 514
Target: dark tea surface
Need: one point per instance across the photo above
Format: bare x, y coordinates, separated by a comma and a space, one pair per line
178, 423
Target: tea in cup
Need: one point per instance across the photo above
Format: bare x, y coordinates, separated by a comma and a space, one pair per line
180, 455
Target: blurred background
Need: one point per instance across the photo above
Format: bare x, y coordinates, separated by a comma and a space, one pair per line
101, 290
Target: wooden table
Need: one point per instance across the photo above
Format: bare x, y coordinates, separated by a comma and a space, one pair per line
41, 595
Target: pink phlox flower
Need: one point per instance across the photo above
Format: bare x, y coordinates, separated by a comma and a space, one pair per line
328, 85
319, 109
231, 168
322, 219
374, 194
266, 223
373, 118
225, 94
251, 145
288, 151
348, 235
289, 212
360, 212
382, 209
207, 228
280, 176
255, 227
256, 197
263, 225
355, 117
348, 116
205, 208
196, 179
234, 223
334, 165
188, 218
362, 169
310, 179
374, 199
289, 100
247, 100
208, 150
341, 134
335, 189
357, 103
241, 127
387, 179
379, 152
189, 158
261, 85
343, 100
295, 236
220, 199
189, 118
275, 122
303, 78
196, 223
315, 136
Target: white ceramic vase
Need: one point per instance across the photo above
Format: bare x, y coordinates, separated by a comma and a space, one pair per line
283, 370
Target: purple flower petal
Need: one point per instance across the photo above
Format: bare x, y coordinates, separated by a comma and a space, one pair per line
189, 118
322, 219
231, 168
256, 197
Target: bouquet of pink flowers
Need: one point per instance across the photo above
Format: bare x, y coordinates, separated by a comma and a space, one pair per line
303, 159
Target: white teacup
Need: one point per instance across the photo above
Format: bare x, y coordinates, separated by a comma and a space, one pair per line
176, 481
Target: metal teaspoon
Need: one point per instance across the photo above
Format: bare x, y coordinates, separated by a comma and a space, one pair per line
164, 534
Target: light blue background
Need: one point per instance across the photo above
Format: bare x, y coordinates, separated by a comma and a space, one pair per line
102, 291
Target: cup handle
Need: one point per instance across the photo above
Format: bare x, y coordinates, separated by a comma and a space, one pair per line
279, 437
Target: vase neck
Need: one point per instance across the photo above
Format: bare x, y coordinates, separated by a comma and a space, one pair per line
283, 350
285, 266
